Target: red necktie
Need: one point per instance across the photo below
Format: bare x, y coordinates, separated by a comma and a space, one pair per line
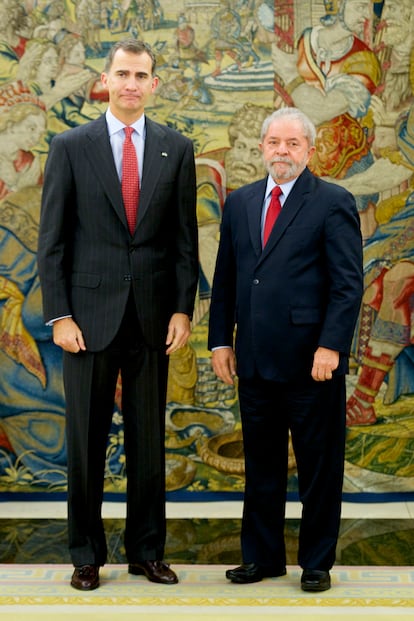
272, 213
130, 179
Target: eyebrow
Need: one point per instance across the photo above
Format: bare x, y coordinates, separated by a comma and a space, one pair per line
142, 73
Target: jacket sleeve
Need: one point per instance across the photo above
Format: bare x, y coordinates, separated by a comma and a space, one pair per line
53, 229
186, 234
223, 297
343, 249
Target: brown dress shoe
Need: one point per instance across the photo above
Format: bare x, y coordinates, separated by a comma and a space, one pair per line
85, 578
156, 571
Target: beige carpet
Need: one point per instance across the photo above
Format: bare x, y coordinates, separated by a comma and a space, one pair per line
42, 592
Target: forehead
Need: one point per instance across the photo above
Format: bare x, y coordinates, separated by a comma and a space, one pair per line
131, 61
286, 129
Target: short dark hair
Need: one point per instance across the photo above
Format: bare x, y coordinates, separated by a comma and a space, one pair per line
133, 46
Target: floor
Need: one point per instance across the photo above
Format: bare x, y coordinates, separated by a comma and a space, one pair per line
41, 592
202, 540
208, 533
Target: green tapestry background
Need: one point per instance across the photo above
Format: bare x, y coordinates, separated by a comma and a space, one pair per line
223, 66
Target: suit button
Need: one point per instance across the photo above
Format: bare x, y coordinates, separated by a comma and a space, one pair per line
127, 277
256, 281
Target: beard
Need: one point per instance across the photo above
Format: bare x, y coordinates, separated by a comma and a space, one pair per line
285, 173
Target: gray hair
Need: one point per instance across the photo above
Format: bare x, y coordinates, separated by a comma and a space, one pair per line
295, 114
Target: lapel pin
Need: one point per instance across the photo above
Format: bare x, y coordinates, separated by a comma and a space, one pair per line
164, 154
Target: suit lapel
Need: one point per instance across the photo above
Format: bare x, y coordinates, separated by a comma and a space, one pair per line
293, 204
156, 152
254, 202
99, 153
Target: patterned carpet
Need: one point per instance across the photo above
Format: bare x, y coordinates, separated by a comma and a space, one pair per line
42, 592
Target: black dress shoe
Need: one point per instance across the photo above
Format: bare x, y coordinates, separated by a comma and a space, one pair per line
156, 571
250, 572
315, 580
85, 578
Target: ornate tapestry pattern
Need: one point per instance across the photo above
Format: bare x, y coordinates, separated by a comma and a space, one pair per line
224, 65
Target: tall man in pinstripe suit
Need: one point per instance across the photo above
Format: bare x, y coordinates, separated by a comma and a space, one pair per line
118, 301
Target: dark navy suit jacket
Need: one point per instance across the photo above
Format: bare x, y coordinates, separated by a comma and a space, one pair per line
302, 291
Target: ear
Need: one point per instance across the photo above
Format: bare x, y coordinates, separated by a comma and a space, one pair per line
311, 152
155, 82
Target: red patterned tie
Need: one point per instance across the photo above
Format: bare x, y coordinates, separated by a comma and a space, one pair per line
272, 213
130, 179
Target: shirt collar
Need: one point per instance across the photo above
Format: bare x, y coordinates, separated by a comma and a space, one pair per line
285, 187
115, 125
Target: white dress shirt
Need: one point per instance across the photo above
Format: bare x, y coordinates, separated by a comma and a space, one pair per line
285, 187
117, 137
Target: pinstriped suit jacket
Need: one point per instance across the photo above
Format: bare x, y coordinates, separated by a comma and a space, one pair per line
87, 258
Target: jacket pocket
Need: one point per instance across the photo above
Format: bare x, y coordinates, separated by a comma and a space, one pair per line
90, 281
305, 315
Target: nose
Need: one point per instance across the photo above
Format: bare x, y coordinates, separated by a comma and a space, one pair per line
281, 148
131, 84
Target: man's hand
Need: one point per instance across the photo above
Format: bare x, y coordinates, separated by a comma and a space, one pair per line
68, 335
223, 361
179, 330
325, 361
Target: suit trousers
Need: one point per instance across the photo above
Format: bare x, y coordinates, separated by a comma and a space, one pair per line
314, 412
90, 380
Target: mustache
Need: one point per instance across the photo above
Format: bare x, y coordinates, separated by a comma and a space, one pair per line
280, 160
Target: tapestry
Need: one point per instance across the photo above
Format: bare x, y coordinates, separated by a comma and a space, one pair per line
223, 66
